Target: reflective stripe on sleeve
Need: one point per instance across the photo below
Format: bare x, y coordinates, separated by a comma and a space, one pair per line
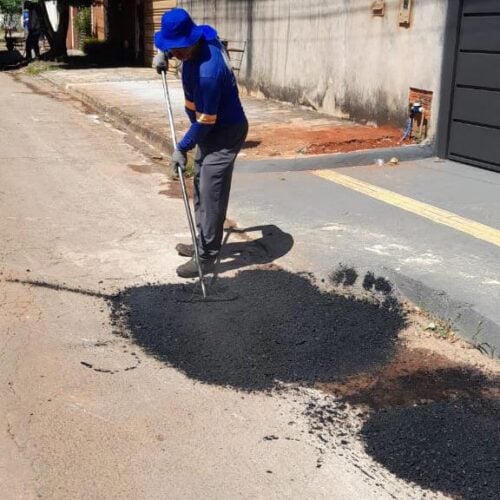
206, 119
189, 105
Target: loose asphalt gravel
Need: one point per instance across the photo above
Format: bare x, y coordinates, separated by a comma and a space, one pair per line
281, 329
453, 447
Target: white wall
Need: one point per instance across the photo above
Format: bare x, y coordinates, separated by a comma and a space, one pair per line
334, 54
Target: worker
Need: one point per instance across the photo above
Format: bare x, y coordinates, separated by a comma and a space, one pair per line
34, 27
218, 127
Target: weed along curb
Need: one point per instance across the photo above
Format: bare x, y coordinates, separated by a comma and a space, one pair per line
465, 321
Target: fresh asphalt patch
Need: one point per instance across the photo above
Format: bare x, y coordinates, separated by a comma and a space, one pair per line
450, 446
281, 330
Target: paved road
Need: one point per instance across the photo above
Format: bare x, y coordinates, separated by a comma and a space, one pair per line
86, 413
431, 226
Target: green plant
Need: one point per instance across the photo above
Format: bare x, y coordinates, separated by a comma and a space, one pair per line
10, 6
441, 329
40, 67
83, 24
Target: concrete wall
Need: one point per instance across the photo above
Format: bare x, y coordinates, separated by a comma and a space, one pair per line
334, 55
98, 20
153, 10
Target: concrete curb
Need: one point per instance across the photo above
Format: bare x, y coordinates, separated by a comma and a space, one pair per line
337, 160
461, 316
161, 142
118, 116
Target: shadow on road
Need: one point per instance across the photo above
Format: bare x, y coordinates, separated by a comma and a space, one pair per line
10, 59
281, 329
272, 244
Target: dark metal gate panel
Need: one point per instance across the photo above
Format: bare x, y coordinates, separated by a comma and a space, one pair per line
476, 106
478, 70
475, 120
475, 142
482, 7
480, 33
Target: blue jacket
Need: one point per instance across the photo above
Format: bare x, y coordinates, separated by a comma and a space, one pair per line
211, 94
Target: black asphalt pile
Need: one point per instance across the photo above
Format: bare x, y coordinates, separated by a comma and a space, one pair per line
453, 447
282, 329
10, 59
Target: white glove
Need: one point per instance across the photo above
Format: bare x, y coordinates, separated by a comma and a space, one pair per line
179, 159
160, 62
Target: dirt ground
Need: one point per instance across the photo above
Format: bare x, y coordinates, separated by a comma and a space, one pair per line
425, 368
293, 139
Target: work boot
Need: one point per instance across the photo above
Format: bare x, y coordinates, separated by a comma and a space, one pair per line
190, 269
184, 250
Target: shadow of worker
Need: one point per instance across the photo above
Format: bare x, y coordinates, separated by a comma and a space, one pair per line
10, 59
272, 244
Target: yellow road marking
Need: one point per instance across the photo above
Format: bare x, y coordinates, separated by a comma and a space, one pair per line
475, 229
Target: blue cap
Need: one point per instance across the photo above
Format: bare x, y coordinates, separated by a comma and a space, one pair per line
179, 31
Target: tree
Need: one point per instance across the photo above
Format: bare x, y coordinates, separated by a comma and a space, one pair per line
57, 38
10, 9
10, 6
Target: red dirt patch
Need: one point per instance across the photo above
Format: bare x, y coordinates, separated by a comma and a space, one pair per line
416, 376
294, 139
173, 188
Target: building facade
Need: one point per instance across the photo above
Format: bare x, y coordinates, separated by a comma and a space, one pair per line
364, 60
370, 60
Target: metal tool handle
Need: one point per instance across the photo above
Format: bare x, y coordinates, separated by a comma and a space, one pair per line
183, 185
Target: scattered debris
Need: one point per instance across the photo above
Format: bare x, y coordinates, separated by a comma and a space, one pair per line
270, 438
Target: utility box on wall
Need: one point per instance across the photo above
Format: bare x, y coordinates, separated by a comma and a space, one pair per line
405, 13
422, 120
378, 8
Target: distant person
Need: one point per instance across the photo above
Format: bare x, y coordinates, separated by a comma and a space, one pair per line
34, 26
26, 16
9, 28
218, 127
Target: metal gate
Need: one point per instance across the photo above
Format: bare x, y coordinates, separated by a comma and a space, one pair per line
475, 118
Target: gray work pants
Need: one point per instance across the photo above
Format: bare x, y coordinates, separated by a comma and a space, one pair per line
214, 163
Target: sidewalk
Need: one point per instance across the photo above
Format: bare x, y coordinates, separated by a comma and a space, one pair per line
133, 98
